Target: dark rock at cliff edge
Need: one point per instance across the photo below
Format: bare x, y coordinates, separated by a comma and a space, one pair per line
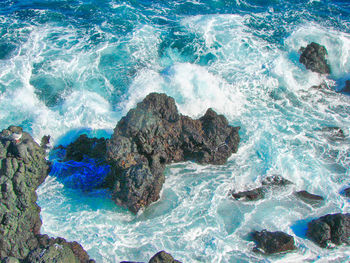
155, 134
330, 229
22, 169
314, 58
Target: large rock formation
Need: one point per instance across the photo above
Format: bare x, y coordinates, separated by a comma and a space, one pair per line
330, 229
273, 242
314, 58
155, 134
22, 169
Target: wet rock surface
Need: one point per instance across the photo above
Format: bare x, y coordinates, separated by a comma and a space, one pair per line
163, 257
268, 183
347, 192
22, 169
155, 134
309, 198
313, 56
273, 242
330, 229
333, 133
347, 86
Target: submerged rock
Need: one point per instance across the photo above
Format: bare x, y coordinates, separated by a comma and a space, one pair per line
155, 134
333, 133
309, 198
330, 229
273, 242
268, 182
163, 257
22, 169
250, 195
314, 58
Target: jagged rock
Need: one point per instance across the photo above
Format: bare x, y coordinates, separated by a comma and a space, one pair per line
251, 195
331, 228
314, 58
84, 146
155, 134
22, 169
54, 253
309, 198
259, 193
273, 242
163, 257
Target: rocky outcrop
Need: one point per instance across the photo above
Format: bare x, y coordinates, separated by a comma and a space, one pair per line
22, 169
163, 257
309, 198
314, 58
333, 133
330, 229
155, 134
273, 181
347, 192
273, 242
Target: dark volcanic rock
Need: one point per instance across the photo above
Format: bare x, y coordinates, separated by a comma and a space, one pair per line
347, 86
347, 192
154, 134
22, 169
275, 180
314, 58
251, 195
163, 257
268, 182
84, 146
309, 198
273, 242
332, 228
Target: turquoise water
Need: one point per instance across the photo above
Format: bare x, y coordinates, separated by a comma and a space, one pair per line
71, 67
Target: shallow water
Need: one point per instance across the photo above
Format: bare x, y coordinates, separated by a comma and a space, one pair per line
72, 67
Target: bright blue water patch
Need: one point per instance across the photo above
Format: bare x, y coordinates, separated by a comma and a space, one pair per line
85, 175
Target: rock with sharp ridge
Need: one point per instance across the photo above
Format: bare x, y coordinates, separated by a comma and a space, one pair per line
330, 229
163, 257
154, 134
314, 58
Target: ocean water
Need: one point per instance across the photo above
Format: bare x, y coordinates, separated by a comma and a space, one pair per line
69, 67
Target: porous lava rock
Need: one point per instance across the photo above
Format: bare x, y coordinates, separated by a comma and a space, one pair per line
330, 229
314, 58
23, 168
154, 134
273, 242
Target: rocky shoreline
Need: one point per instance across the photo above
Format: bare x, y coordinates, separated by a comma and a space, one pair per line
148, 138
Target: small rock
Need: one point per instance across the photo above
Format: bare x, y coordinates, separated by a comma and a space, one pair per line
309, 198
347, 192
314, 58
331, 228
275, 180
333, 133
163, 257
347, 86
273, 242
251, 195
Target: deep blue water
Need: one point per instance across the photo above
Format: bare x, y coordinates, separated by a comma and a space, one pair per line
72, 67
